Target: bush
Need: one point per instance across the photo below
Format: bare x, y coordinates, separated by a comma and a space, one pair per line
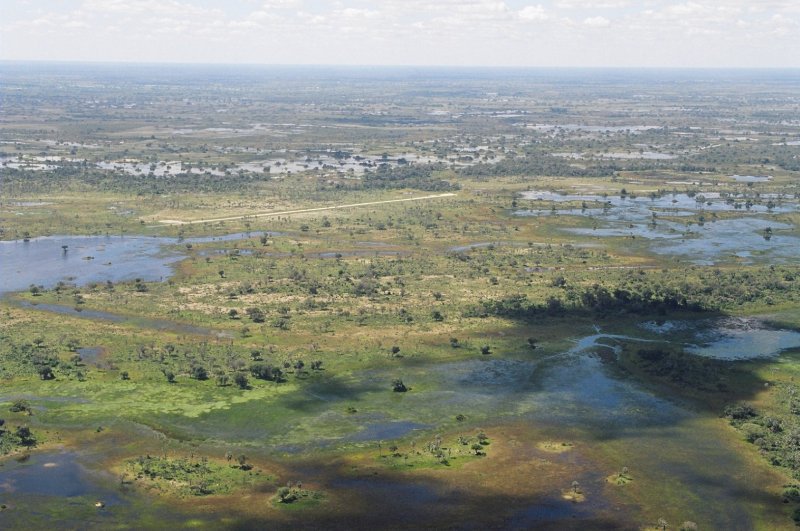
199, 373
286, 495
256, 315
740, 411
20, 405
241, 380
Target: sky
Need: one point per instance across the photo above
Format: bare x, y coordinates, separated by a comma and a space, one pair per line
545, 33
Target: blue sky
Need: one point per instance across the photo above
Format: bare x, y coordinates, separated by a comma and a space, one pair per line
657, 33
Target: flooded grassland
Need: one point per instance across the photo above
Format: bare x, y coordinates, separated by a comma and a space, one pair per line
355, 307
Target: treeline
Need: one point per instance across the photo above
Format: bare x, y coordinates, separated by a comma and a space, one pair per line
768, 153
416, 176
539, 165
77, 178
663, 292
596, 299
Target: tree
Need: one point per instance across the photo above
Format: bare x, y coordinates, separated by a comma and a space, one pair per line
486, 350
25, 436
46, 372
256, 314
264, 371
20, 405
198, 372
170, 376
398, 386
241, 380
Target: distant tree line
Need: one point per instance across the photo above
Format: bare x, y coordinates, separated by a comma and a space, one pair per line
416, 176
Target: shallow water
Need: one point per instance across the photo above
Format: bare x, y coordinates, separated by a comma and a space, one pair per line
751, 178
54, 490
667, 203
735, 344
44, 261
727, 338
744, 238
51, 474
90, 354
386, 430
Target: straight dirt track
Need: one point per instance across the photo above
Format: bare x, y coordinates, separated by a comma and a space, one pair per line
303, 210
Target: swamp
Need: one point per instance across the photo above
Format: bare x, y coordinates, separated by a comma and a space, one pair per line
337, 298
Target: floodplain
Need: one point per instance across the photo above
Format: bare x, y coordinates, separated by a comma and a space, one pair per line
393, 298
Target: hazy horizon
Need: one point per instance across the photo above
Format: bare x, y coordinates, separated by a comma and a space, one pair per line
398, 66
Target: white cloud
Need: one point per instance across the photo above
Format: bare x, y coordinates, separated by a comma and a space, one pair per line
576, 32
596, 22
593, 4
536, 12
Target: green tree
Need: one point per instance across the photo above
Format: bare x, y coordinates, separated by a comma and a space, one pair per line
198, 372
25, 436
46, 372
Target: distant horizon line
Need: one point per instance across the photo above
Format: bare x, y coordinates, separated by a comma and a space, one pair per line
365, 66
